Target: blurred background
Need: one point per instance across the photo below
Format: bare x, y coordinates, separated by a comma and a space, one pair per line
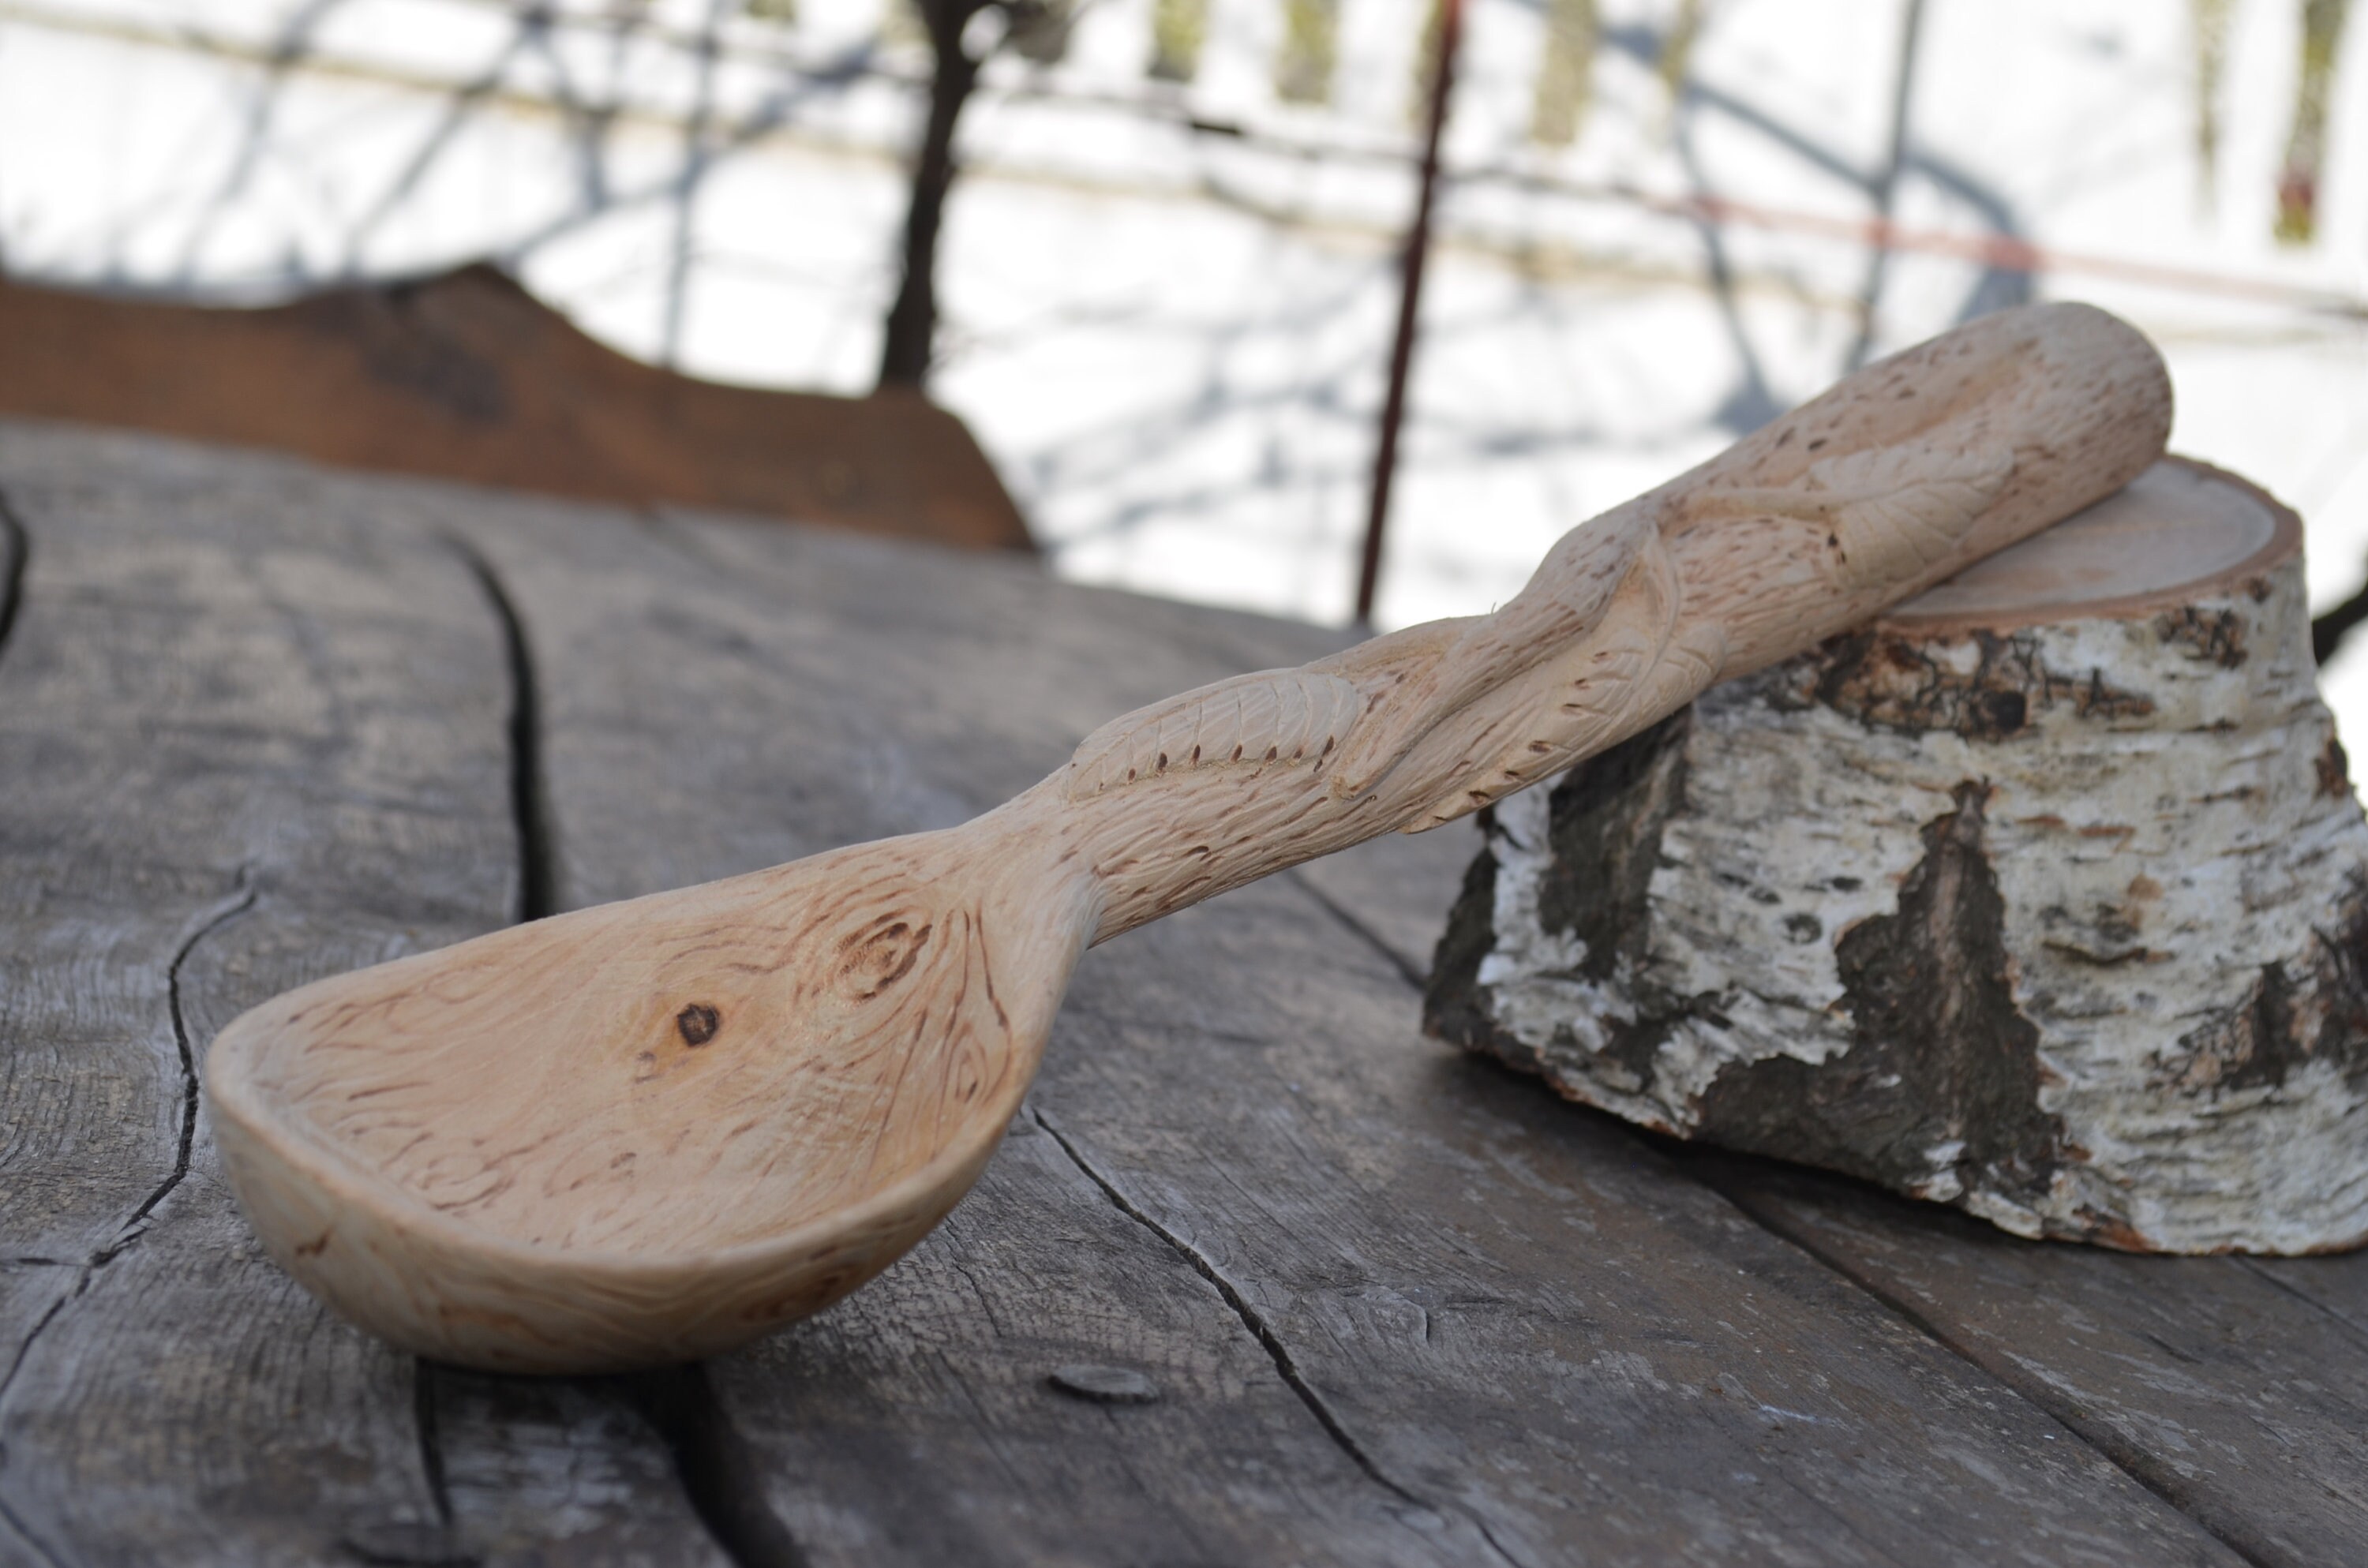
1168, 277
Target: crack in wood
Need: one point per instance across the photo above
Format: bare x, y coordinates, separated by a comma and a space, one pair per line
431, 1447
713, 1464
537, 890
439, 1544
1749, 1213
716, 1466
126, 1235
24, 1345
2157, 1477
1406, 967
24, 1351
23, 1532
1260, 1330
15, 556
186, 1143
2253, 1266
17, 544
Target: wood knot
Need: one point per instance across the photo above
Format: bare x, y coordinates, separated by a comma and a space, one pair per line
697, 1023
872, 961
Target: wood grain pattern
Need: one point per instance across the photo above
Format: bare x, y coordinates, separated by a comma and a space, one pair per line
497, 1155
252, 730
1283, 720
1246, 1079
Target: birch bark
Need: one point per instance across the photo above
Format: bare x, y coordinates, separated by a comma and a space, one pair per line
2046, 897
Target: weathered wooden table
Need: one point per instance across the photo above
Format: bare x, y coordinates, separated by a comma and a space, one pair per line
259, 722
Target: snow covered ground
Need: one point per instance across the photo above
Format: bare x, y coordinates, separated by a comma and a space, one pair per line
1168, 304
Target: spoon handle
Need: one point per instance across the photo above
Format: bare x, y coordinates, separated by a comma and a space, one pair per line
1891, 482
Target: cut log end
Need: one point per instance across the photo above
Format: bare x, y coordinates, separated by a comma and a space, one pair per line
2181, 531
2047, 897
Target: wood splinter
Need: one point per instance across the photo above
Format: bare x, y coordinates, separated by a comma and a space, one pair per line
514, 1153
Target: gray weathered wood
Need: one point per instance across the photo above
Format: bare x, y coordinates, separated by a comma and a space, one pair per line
2236, 1388
253, 729
1480, 1282
1397, 893
919, 1422
1515, 1323
1397, 1306
561, 1470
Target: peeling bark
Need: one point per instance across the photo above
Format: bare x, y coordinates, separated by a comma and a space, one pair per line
1939, 1091
1983, 687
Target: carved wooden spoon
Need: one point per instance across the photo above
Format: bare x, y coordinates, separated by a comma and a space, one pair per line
649, 1131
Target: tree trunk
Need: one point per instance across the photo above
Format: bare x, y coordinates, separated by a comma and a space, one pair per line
913, 318
2046, 897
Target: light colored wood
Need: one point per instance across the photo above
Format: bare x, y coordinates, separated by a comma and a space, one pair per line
2046, 898
647, 1130
2179, 533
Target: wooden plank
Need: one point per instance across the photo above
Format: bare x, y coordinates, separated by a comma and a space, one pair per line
253, 730
1529, 1336
1490, 1287
921, 1422
2236, 1387
130, 777
2336, 1285
560, 1470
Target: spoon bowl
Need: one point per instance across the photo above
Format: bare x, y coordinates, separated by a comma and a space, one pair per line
644, 1132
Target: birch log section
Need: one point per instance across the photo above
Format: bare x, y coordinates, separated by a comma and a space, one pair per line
2048, 897
644, 1132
